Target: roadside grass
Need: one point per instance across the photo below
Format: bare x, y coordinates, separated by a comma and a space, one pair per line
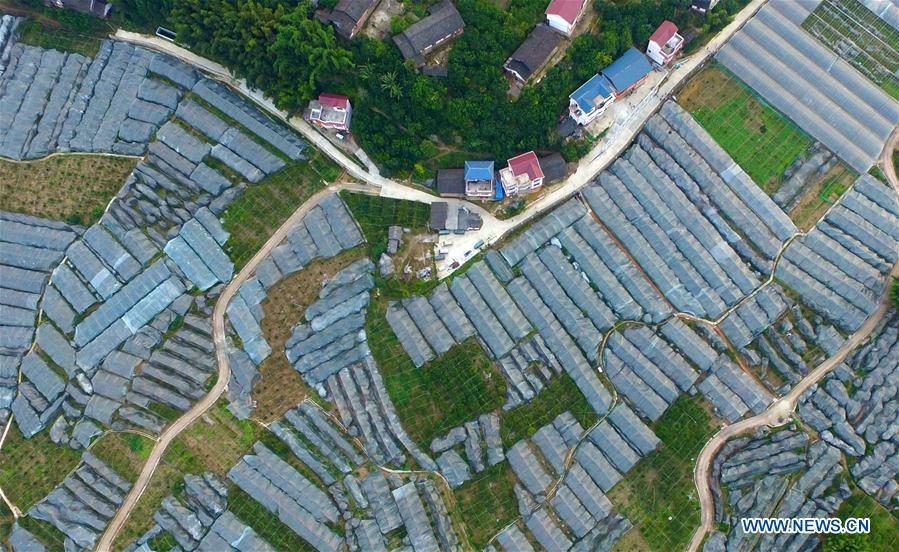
375, 214
819, 196
73, 188
266, 524
213, 443
72, 37
884, 533
6, 521
760, 139
875, 44
263, 207
31, 468
456, 387
559, 395
125, 453
487, 503
657, 496
280, 387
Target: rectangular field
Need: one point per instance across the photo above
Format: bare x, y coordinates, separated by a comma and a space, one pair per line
73, 188
759, 138
375, 214
860, 37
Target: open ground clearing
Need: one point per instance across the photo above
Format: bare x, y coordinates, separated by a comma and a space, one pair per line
280, 387
123, 452
658, 495
75, 188
759, 139
375, 214
821, 195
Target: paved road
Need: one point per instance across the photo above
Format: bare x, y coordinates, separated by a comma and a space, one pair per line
781, 410
224, 372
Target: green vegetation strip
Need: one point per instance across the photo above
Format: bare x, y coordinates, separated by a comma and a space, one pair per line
452, 389
376, 214
658, 494
559, 395
760, 139
50, 536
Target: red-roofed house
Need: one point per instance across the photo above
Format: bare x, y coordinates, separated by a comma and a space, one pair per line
562, 15
664, 44
330, 111
522, 175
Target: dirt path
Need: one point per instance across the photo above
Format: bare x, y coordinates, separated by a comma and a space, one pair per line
224, 372
781, 410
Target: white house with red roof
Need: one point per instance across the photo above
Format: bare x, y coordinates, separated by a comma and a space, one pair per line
522, 175
330, 111
664, 44
563, 15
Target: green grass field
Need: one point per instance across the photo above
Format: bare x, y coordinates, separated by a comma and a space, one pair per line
658, 495
760, 139
65, 39
454, 388
884, 533
487, 503
375, 214
31, 468
559, 395
262, 207
125, 453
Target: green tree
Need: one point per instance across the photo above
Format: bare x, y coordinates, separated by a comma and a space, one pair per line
304, 53
846, 543
391, 85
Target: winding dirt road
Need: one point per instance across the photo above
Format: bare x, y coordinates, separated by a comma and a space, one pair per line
782, 409
224, 371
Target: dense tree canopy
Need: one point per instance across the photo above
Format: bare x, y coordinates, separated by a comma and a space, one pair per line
402, 116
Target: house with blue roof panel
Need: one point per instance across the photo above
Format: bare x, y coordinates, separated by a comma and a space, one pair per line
628, 71
479, 179
590, 100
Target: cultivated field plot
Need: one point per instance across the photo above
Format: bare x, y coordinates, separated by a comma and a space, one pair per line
375, 214
658, 496
263, 207
30, 468
810, 84
759, 139
74, 188
860, 37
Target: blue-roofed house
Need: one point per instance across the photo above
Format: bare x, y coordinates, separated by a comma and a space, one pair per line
590, 100
479, 179
628, 71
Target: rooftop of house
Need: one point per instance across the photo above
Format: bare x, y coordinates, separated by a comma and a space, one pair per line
534, 51
526, 163
664, 33
592, 92
439, 212
443, 21
334, 100
566, 9
450, 182
479, 170
554, 167
627, 70
347, 13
